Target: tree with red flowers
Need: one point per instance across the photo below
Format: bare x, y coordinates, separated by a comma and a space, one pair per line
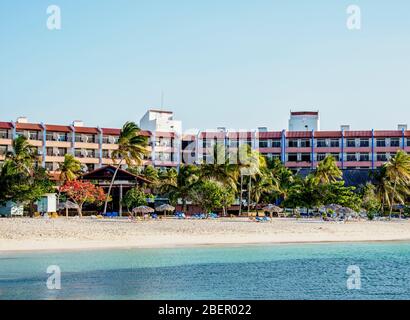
81, 192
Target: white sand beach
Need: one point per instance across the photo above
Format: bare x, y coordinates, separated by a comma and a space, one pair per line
24, 234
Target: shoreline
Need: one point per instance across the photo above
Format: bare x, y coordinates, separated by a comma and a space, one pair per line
74, 249
24, 235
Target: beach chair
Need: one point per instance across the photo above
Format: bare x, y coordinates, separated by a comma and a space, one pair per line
213, 216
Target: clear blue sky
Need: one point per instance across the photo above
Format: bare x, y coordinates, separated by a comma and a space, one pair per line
234, 63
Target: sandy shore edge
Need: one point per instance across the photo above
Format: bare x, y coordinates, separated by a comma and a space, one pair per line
38, 235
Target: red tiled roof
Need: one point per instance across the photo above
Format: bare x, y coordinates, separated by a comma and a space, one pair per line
189, 137
111, 131
146, 133
299, 134
164, 134
29, 126
85, 130
240, 135
305, 113
6, 125
358, 134
328, 134
57, 128
212, 135
407, 133
269, 135
388, 133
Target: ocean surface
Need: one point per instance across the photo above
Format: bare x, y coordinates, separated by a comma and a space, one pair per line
302, 271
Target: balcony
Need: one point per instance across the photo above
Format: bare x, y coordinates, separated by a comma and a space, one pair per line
110, 139
55, 136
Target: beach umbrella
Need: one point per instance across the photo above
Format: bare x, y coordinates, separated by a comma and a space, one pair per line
67, 205
165, 208
143, 210
346, 211
272, 209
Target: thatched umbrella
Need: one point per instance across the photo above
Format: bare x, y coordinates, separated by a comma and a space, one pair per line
143, 210
165, 208
272, 209
346, 211
67, 205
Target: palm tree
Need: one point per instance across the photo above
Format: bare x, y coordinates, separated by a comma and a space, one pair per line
70, 170
23, 155
397, 171
132, 147
282, 178
328, 171
261, 185
383, 187
179, 185
221, 170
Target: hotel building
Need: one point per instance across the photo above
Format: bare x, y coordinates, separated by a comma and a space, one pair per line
303, 146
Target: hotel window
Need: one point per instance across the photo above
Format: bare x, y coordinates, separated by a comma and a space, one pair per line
293, 144
351, 143
106, 154
4, 134
364, 143
3, 150
364, 157
110, 139
351, 157
381, 143
56, 136
276, 156
263, 143
334, 143
408, 142
292, 157
305, 143
233, 143
164, 142
321, 156
336, 156
276, 144
305, 157
395, 142
86, 138
321, 143
245, 142
33, 135
381, 157
90, 167
49, 166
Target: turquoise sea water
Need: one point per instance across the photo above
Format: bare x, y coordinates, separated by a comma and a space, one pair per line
309, 271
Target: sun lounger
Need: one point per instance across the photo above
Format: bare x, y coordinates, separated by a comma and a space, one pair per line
111, 215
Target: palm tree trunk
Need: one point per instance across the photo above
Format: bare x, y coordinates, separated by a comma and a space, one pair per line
110, 187
392, 198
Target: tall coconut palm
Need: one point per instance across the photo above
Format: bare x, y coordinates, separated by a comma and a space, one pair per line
132, 147
221, 170
179, 185
398, 173
261, 185
69, 170
328, 171
282, 178
23, 155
